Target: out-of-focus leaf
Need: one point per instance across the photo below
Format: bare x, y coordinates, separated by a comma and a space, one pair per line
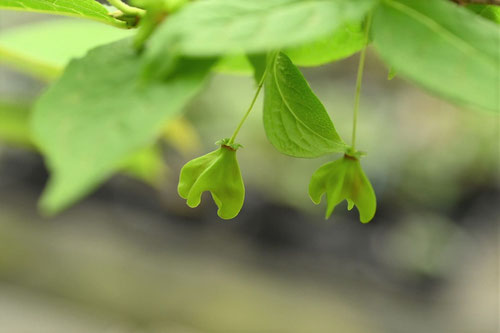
88, 9
234, 64
295, 121
146, 165
220, 27
487, 11
14, 123
97, 115
344, 42
43, 49
445, 48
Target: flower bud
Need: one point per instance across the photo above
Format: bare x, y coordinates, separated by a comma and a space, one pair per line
219, 173
344, 179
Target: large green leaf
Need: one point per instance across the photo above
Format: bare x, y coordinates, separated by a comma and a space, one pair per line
44, 48
88, 9
344, 42
442, 47
97, 115
216, 27
146, 165
295, 121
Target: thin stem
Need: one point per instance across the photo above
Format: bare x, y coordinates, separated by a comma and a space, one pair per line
359, 80
126, 9
257, 92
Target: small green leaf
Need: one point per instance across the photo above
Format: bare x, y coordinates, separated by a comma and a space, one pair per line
219, 173
445, 48
43, 49
88, 9
341, 180
295, 121
343, 43
97, 115
226, 27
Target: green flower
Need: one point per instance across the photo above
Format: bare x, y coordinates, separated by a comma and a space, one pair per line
219, 173
344, 179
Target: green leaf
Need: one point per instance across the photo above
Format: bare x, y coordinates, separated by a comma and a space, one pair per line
489, 12
444, 48
43, 49
295, 121
341, 180
343, 43
146, 165
234, 65
88, 9
97, 115
220, 27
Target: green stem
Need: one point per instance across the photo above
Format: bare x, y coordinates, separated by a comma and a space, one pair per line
126, 9
359, 80
259, 88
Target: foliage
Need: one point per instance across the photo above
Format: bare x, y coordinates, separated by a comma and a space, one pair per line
430, 32
110, 105
296, 122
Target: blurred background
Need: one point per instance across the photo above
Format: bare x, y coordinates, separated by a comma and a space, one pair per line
134, 258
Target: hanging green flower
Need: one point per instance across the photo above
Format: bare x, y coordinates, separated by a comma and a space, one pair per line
219, 173
344, 179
